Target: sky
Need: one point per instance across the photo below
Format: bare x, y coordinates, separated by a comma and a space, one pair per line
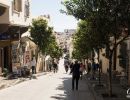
52, 7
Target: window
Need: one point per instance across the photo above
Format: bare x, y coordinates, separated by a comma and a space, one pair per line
17, 5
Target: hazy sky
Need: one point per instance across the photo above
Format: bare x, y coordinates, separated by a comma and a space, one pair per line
52, 7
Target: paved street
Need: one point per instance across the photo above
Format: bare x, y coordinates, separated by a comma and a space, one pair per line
48, 87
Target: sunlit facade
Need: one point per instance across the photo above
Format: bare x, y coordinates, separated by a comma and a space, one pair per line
14, 20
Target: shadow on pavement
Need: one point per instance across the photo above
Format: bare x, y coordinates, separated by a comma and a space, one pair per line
68, 94
65, 88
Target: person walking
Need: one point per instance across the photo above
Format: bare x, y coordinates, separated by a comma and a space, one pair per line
81, 70
55, 67
89, 67
75, 74
33, 65
71, 65
93, 69
50, 65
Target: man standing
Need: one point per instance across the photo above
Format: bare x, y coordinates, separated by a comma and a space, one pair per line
55, 67
75, 74
33, 65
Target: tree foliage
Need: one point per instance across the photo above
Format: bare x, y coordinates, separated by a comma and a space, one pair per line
53, 49
82, 42
106, 17
40, 33
109, 22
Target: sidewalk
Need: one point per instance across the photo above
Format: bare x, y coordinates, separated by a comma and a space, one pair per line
63, 91
119, 92
84, 92
4, 82
88, 89
85, 85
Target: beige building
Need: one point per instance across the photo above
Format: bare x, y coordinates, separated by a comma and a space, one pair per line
122, 62
14, 20
64, 40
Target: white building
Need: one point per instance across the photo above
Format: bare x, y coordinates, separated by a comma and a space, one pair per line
64, 40
14, 20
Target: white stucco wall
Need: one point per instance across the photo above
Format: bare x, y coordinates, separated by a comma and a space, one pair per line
4, 3
18, 18
13, 17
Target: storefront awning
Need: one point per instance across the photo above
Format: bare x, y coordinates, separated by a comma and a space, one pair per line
26, 34
30, 43
12, 32
17, 29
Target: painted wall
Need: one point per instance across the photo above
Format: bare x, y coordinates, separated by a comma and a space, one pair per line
12, 16
18, 18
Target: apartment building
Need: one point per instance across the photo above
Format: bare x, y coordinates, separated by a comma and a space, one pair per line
14, 20
64, 40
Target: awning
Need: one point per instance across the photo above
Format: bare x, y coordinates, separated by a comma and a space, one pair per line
17, 29
30, 43
12, 32
26, 34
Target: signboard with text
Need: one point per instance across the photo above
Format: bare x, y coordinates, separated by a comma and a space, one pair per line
27, 57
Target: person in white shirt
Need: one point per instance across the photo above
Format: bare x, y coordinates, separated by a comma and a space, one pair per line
33, 65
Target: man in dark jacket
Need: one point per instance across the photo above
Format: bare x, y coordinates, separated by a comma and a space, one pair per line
75, 74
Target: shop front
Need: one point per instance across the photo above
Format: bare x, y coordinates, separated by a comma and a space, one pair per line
9, 41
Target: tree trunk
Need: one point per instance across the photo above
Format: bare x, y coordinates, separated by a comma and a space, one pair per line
99, 67
87, 69
115, 57
110, 74
83, 61
43, 63
36, 55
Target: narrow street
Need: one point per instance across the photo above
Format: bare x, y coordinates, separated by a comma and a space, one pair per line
48, 87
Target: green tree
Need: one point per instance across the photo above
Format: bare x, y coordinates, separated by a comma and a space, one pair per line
108, 19
81, 42
85, 43
40, 34
53, 49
